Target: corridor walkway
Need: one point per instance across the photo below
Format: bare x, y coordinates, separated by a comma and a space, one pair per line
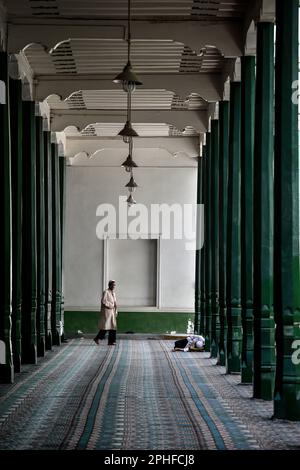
137, 395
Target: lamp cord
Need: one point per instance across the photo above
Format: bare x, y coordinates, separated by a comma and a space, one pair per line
129, 31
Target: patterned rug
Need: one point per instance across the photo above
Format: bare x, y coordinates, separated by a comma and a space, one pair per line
136, 395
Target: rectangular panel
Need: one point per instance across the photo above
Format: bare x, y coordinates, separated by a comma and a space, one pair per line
133, 265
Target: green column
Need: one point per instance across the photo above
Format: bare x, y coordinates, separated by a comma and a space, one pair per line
247, 156
62, 192
40, 201
202, 251
7, 369
29, 265
48, 237
198, 255
286, 243
264, 340
214, 237
56, 248
233, 263
223, 195
15, 93
207, 245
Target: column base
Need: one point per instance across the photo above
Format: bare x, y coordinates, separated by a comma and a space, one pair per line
207, 344
247, 346
17, 362
221, 358
287, 403
247, 374
41, 347
48, 341
263, 385
6, 374
214, 350
29, 356
56, 339
233, 364
202, 318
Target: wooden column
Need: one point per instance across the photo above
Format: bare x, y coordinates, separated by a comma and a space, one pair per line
7, 368
214, 238
202, 251
264, 337
48, 237
62, 191
15, 91
29, 246
56, 251
207, 245
40, 201
233, 263
223, 195
286, 244
247, 156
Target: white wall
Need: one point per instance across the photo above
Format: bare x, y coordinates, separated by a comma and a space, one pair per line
87, 187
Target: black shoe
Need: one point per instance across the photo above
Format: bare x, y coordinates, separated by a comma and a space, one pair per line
96, 341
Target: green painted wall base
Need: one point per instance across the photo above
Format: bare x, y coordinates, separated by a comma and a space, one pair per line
137, 322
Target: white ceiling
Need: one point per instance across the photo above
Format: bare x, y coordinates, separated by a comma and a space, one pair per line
195, 9
183, 50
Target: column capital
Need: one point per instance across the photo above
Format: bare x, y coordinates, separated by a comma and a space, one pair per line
226, 92
236, 75
212, 113
17, 72
267, 11
251, 40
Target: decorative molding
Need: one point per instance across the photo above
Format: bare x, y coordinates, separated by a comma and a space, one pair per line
62, 58
114, 99
90, 156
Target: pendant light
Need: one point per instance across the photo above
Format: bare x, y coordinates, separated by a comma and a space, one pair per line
129, 81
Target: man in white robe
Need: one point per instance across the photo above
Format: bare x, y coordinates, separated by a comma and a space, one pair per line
108, 315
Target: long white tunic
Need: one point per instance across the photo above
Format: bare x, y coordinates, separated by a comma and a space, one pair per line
195, 342
108, 312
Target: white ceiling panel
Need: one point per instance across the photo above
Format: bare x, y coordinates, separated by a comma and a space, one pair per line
143, 130
149, 9
108, 56
117, 99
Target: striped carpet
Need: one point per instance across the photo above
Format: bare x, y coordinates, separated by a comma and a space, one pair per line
136, 395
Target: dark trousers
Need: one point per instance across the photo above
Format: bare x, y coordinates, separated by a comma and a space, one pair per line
111, 335
181, 343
